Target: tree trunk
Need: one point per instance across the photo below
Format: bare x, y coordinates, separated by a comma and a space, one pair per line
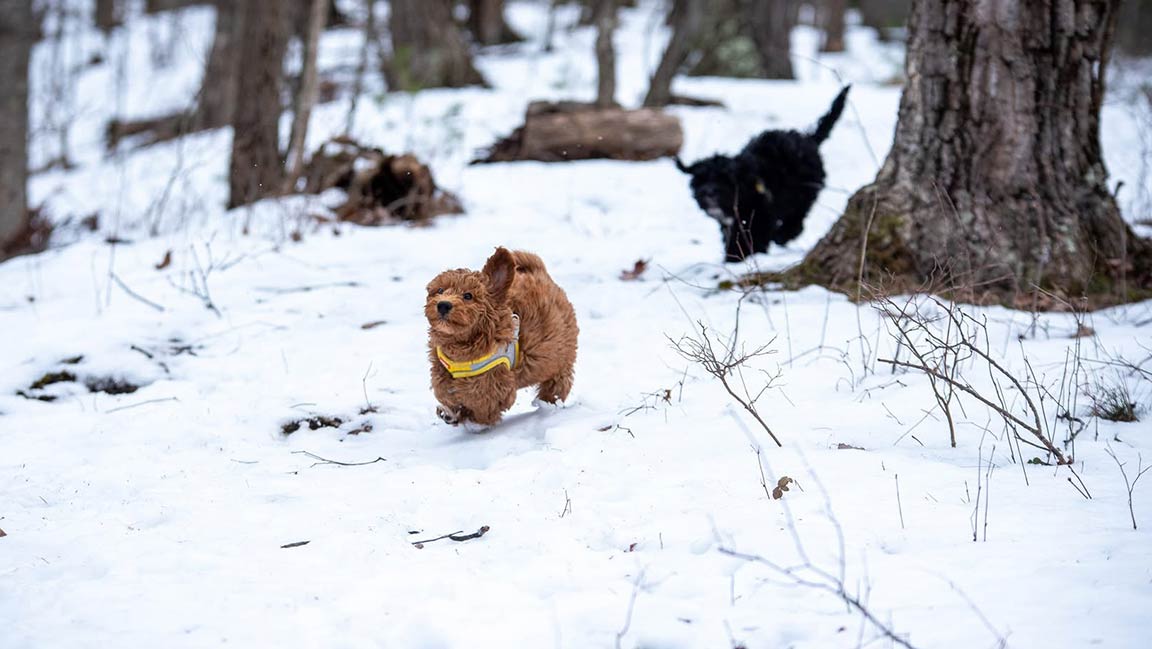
17, 33
428, 51
487, 23
107, 15
256, 168
771, 22
605, 19
218, 87
725, 43
157, 6
884, 15
832, 20
362, 63
1132, 33
995, 184
307, 96
687, 18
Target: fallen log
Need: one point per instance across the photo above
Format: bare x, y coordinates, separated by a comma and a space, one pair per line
564, 131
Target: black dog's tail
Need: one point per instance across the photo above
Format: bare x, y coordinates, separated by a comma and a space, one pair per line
824, 126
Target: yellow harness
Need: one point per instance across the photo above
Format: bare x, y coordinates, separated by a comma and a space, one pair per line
506, 356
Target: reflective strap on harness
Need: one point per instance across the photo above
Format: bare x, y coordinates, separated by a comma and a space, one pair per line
506, 356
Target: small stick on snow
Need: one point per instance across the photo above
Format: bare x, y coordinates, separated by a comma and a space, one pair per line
321, 460
141, 298
899, 507
458, 536
1140, 471
142, 403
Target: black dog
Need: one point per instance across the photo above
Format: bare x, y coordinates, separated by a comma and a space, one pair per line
763, 194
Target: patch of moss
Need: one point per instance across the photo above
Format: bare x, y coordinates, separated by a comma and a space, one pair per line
63, 376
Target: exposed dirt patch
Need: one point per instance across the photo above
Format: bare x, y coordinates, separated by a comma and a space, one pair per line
110, 385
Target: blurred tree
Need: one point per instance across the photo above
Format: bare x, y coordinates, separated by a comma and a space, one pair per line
745, 38
1134, 32
156, 6
218, 85
687, 19
995, 186
605, 18
428, 50
256, 168
107, 15
306, 96
487, 23
832, 22
17, 33
771, 23
884, 15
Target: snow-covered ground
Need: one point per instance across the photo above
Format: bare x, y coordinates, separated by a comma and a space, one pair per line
157, 517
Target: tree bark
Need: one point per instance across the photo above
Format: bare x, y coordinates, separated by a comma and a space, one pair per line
256, 167
307, 95
428, 51
107, 15
832, 20
218, 87
995, 184
17, 33
687, 18
771, 22
362, 63
605, 19
884, 15
1135, 27
157, 6
487, 23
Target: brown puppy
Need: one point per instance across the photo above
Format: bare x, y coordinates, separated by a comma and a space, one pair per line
492, 332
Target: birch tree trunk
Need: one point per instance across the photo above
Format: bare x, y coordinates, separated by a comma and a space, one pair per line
995, 184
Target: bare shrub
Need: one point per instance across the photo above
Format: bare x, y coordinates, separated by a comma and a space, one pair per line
939, 344
724, 361
1113, 401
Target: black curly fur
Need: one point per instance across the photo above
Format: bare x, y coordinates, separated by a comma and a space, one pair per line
770, 185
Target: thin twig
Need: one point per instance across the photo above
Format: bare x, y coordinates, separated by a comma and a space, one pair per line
322, 460
141, 298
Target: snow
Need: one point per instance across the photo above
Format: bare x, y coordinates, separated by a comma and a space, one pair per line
158, 517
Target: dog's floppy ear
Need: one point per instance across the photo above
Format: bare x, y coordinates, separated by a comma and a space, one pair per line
681, 167
498, 272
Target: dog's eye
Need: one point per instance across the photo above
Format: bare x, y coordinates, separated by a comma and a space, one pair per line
439, 291
467, 296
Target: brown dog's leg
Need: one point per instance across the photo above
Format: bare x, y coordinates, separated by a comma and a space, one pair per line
450, 415
556, 388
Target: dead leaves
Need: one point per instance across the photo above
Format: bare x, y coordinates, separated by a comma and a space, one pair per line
165, 262
781, 487
638, 269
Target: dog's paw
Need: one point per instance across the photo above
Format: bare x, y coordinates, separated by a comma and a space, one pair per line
541, 404
449, 416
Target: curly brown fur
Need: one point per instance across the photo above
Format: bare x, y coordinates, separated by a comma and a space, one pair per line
478, 320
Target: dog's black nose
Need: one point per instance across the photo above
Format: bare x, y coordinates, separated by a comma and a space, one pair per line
443, 308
